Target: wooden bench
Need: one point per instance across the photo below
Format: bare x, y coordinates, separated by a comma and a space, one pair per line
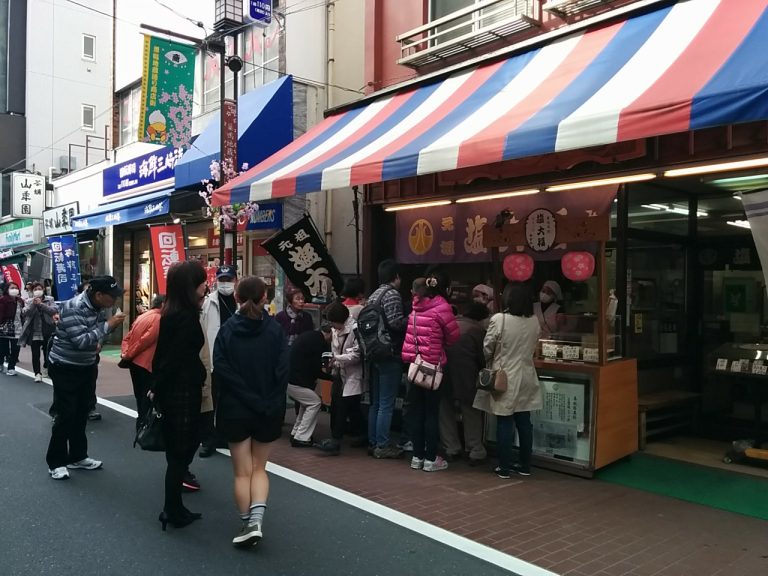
661, 412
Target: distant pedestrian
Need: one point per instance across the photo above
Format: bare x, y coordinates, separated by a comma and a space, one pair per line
431, 328
137, 351
39, 325
294, 319
509, 345
353, 295
179, 375
11, 323
305, 367
74, 358
250, 359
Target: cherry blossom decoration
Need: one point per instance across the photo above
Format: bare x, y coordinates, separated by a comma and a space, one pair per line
578, 266
518, 267
227, 216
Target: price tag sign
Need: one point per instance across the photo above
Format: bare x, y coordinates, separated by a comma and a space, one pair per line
549, 350
591, 355
736, 366
571, 352
722, 364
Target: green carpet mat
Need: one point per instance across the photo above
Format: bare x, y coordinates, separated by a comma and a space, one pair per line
111, 350
707, 486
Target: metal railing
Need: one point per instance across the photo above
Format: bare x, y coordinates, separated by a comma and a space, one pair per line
567, 8
481, 23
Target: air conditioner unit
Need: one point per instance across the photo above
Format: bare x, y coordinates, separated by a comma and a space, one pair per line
53, 172
66, 163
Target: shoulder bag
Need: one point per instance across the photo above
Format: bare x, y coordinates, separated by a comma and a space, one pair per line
150, 435
494, 379
422, 373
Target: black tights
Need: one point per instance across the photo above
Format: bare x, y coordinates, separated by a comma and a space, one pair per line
178, 463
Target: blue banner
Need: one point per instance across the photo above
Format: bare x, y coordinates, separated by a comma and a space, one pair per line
122, 215
148, 170
268, 216
66, 265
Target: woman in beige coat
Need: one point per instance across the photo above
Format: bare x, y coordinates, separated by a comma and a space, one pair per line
509, 345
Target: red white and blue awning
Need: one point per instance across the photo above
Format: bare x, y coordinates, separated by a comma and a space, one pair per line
692, 64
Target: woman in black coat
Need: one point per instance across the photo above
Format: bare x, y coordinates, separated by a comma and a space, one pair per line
178, 384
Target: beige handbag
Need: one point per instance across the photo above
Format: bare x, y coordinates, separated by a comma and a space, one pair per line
422, 373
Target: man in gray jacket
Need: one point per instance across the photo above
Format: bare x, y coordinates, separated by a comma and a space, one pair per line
74, 359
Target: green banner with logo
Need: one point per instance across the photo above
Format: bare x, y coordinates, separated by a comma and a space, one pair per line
167, 87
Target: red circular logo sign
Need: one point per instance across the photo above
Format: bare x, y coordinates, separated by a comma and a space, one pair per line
578, 266
518, 267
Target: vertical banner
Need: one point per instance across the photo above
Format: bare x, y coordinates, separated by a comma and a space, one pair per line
11, 273
167, 249
302, 254
167, 86
229, 136
66, 265
756, 209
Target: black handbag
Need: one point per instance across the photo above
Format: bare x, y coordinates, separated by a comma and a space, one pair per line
149, 436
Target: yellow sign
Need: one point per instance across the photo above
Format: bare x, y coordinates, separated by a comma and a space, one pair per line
420, 237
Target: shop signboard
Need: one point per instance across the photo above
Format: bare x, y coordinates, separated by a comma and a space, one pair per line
541, 224
66, 265
167, 87
261, 12
302, 254
11, 273
268, 216
122, 215
27, 195
151, 171
59, 220
17, 233
167, 250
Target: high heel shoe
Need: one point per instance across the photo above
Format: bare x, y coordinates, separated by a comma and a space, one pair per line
177, 521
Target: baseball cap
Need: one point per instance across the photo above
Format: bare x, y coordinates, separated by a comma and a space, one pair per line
226, 271
106, 285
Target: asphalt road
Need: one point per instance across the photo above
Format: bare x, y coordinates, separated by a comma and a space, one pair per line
104, 522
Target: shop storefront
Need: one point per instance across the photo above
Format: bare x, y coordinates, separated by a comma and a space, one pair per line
499, 145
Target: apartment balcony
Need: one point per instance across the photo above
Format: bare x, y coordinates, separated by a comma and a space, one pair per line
567, 8
468, 29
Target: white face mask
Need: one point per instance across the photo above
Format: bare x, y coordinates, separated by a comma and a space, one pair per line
13, 292
545, 298
37, 293
227, 288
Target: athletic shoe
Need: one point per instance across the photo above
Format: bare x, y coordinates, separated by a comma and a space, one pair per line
435, 465
60, 473
85, 464
302, 443
190, 483
11, 372
519, 470
417, 463
387, 452
38, 377
94, 416
406, 446
249, 535
502, 473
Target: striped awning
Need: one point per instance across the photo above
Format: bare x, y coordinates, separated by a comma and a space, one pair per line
689, 65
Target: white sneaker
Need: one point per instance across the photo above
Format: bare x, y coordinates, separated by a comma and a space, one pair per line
11, 372
60, 473
417, 463
85, 464
435, 465
38, 377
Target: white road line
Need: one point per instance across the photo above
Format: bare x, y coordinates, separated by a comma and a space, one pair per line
470, 547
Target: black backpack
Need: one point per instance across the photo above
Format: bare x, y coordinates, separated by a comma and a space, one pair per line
373, 331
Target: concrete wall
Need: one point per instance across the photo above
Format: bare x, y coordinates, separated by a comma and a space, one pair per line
59, 80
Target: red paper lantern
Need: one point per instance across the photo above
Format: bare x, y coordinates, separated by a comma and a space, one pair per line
518, 267
578, 266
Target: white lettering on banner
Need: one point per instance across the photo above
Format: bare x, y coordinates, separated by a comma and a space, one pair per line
473, 243
169, 251
127, 170
304, 257
112, 217
318, 281
301, 235
152, 208
56, 247
263, 216
284, 245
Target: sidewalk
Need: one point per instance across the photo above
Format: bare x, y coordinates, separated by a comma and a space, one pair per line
569, 525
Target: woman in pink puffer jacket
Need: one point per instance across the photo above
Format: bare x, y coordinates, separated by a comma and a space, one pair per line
431, 328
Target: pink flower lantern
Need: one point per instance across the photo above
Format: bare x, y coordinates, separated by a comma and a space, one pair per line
518, 267
578, 266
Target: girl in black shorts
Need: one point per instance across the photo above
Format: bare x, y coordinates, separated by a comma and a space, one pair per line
250, 360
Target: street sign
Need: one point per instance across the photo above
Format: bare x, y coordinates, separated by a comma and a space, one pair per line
261, 11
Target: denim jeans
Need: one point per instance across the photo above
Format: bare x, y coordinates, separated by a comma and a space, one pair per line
505, 433
385, 383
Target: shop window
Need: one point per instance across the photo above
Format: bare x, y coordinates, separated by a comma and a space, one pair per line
88, 116
261, 51
130, 108
89, 47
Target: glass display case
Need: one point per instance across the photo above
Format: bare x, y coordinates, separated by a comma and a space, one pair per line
577, 340
740, 359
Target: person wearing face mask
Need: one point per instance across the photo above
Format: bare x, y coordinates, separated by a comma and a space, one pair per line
219, 306
39, 326
11, 323
548, 307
